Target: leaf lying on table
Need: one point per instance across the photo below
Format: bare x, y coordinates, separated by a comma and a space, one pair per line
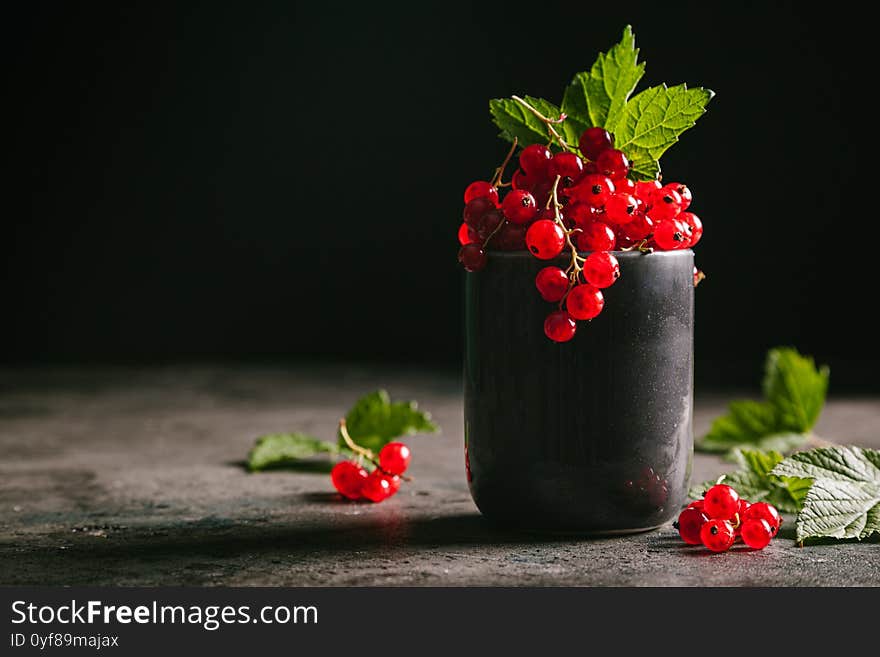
794, 390
277, 450
844, 498
375, 420
756, 483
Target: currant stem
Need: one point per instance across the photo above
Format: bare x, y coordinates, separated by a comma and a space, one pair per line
499, 172
363, 451
547, 122
574, 269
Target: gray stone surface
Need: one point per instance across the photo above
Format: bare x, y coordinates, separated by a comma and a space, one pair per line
134, 477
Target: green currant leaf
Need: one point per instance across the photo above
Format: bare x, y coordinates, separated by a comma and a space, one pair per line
795, 387
280, 450
653, 120
597, 97
517, 122
375, 420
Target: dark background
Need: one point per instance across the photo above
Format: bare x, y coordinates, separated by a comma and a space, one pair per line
283, 181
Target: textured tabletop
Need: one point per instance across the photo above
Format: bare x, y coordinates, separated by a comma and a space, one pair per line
134, 477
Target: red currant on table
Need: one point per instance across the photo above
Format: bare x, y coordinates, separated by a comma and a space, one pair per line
394, 458
519, 206
764, 511
593, 189
348, 478
480, 189
535, 160
475, 209
721, 502
472, 257
545, 239
756, 533
690, 522
559, 326
566, 165
595, 140
665, 204
552, 283
596, 236
621, 208
613, 163
671, 234
696, 226
601, 269
584, 302
379, 486
466, 235
683, 191
717, 535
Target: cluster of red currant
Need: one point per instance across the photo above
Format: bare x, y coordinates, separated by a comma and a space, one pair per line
722, 516
353, 481
586, 203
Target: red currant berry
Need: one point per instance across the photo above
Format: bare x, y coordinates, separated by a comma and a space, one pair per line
521, 181
480, 189
596, 236
601, 269
552, 283
646, 189
475, 209
566, 165
721, 502
756, 533
545, 239
472, 257
764, 511
348, 478
595, 140
488, 223
742, 508
519, 206
535, 160
696, 226
582, 214
394, 458
379, 486
511, 237
670, 235
639, 228
690, 522
717, 535
621, 208
559, 326
592, 189
466, 235
665, 204
613, 163
696, 504
683, 191
584, 302
625, 185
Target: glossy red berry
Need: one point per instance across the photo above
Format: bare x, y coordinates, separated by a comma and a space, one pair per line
519, 206
690, 522
510, 237
645, 189
593, 189
488, 223
621, 208
717, 535
596, 236
535, 160
475, 210
639, 228
379, 486
625, 185
721, 502
559, 326
582, 214
742, 508
765, 511
466, 235
696, 504
613, 163
756, 533
521, 181
683, 191
552, 283
664, 204
472, 257
694, 224
671, 234
348, 478
394, 458
601, 269
566, 165
545, 239
595, 140
480, 189
584, 301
